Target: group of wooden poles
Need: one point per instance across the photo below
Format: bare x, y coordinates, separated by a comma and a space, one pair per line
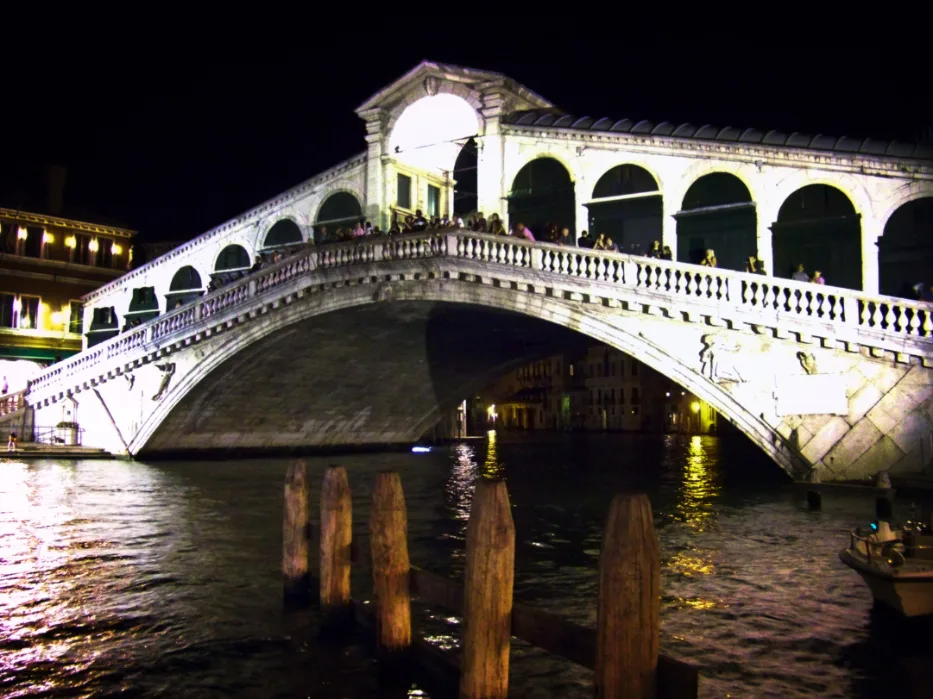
623, 650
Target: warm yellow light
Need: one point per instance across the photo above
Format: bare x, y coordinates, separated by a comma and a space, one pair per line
57, 318
695, 406
21, 233
116, 249
47, 237
92, 246
491, 411
71, 242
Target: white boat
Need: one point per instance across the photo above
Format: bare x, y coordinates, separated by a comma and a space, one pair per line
897, 565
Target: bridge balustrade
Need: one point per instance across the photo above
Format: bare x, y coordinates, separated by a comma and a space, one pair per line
771, 298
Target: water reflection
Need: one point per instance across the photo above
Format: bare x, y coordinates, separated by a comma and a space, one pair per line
699, 487
491, 466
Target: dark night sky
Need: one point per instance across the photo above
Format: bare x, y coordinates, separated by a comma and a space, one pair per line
172, 140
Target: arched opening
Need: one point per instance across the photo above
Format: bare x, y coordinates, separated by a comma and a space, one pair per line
282, 233
627, 207
185, 287
232, 263
542, 194
430, 133
818, 227
144, 306
104, 325
717, 213
465, 175
905, 251
339, 210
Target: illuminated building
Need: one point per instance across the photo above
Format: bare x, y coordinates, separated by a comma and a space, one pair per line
47, 263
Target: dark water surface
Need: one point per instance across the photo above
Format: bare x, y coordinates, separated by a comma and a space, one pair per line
164, 579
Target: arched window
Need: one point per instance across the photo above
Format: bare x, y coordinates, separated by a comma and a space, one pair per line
542, 194
284, 232
185, 279
627, 207
718, 214
232, 257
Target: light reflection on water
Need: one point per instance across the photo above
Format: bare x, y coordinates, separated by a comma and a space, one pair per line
164, 580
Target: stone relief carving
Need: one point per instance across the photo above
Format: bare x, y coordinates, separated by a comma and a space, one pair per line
130, 380
168, 370
719, 361
431, 85
808, 362
384, 292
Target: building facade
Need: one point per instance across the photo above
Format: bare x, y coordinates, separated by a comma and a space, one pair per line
47, 264
599, 390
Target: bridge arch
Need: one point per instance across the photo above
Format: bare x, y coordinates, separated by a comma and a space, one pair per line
233, 257
339, 208
819, 226
542, 192
284, 231
905, 250
718, 212
248, 359
433, 88
185, 286
430, 131
626, 205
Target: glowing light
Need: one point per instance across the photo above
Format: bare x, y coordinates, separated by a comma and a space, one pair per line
92, 246
491, 412
420, 450
47, 237
71, 242
57, 318
22, 233
116, 249
491, 467
668, 394
430, 133
695, 406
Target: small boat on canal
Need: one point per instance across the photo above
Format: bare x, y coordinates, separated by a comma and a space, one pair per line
897, 565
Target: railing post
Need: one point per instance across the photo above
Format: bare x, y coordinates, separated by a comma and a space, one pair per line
451, 240
850, 310
537, 258
734, 290
252, 288
629, 273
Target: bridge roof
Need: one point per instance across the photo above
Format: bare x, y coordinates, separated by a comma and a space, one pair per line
554, 119
451, 73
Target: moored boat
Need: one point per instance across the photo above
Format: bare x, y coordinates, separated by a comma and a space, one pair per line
897, 565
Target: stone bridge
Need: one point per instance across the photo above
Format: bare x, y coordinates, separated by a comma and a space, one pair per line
368, 342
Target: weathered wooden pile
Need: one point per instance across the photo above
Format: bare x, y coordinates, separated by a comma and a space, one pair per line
623, 650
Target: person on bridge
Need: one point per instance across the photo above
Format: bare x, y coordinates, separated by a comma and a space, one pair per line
710, 259
11, 442
522, 232
801, 274
6, 386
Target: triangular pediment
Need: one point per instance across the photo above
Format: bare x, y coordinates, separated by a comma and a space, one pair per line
428, 77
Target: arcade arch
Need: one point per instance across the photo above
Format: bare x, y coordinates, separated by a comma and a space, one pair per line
905, 250
185, 286
717, 213
818, 226
283, 232
466, 189
627, 206
430, 132
233, 258
542, 193
339, 210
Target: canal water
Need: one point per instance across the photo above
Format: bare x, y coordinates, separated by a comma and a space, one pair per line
135, 579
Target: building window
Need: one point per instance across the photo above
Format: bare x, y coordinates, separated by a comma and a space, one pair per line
634, 367
75, 317
635, 397
7, 302
404, 191
21, 312
104, 252
434, 201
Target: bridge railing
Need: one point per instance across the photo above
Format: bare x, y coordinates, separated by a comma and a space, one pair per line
11, 402
770, 298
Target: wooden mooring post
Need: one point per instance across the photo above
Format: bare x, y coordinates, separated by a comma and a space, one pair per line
388, 538
336, 538
296, 536
487, 601
623, 650
628, 622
